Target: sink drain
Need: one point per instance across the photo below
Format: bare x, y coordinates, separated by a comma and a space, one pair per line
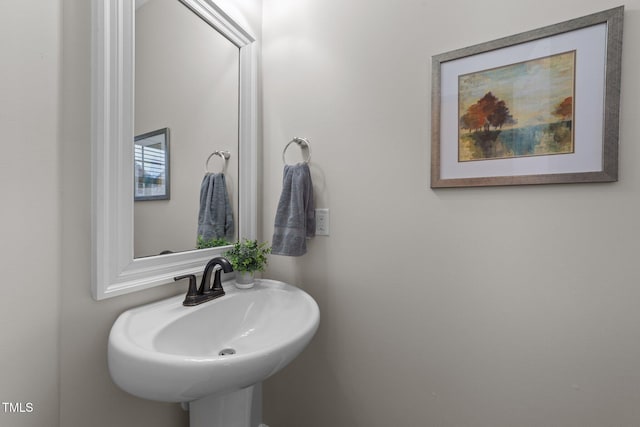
226, 352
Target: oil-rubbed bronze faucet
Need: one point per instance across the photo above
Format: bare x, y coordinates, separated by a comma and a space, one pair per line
206, 291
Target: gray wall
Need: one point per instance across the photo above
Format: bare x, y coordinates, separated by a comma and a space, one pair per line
494, 307
30, 228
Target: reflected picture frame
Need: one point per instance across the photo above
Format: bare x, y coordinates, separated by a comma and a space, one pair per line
151, 166
540, 107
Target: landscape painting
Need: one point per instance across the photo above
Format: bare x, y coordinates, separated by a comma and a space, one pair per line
522, 109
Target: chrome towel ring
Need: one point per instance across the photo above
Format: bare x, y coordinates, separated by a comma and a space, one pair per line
223, 154
302, 143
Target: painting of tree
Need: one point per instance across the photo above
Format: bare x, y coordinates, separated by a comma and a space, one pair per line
523, 109
564, 110
487, 112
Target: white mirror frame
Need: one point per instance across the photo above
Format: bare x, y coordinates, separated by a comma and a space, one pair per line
115, 271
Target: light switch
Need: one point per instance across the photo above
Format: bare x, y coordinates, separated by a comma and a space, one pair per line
322, 222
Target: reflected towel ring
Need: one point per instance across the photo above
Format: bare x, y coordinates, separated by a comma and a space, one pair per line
302, 143
223, 154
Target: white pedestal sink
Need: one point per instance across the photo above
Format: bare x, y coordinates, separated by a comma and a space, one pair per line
215, 355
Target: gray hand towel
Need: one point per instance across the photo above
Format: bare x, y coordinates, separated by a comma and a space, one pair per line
295, 217
215, 218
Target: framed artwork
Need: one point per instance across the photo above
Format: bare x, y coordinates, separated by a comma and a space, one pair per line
539, 107
151, 163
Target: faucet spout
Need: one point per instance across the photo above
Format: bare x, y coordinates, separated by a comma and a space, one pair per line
217, 264
206, 292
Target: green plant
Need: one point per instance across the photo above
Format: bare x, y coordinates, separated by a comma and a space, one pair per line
248, 255
211, 243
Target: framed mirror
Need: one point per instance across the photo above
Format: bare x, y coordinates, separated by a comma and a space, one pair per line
115, 269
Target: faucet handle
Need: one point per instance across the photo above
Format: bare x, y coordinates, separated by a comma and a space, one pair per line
192, 293
217, 283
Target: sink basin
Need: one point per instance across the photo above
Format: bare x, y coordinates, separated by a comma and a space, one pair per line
167, 352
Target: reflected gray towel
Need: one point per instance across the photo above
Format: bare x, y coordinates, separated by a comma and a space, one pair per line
215, 218
295, 217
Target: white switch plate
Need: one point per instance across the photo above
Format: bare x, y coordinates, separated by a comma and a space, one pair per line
322, 222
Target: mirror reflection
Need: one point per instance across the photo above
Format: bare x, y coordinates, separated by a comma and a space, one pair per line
151, 165
187, 81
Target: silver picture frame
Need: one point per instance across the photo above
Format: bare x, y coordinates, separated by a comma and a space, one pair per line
596, 41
